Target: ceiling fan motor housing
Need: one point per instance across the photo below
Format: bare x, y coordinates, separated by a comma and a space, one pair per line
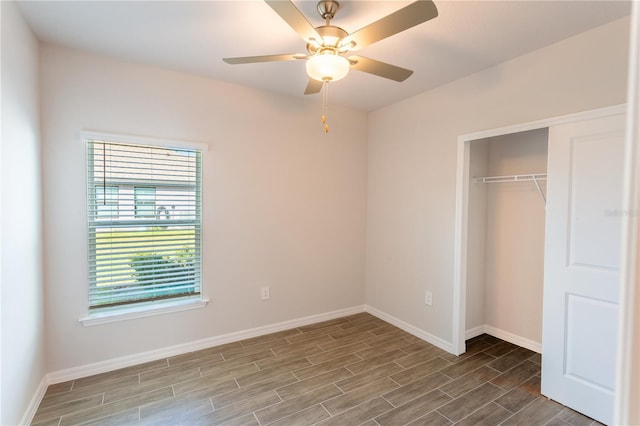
331, 36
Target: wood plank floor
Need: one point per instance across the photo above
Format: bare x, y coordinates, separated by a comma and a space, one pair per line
356, 370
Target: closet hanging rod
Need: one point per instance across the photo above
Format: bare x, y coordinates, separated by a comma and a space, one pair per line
511, 178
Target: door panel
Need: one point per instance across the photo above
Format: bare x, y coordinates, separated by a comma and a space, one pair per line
588, 320
594, 236
582, 256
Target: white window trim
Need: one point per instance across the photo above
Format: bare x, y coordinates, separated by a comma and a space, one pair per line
141, 140
133, 312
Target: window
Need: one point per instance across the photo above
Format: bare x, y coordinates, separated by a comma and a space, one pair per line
107, 201
144, 223
145, 201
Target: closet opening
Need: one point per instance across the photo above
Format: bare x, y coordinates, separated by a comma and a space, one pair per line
501, 191
506, 237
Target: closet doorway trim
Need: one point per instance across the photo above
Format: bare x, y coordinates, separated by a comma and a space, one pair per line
462, 205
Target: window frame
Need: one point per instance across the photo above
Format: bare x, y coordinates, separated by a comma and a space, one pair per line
140, 202
102, 315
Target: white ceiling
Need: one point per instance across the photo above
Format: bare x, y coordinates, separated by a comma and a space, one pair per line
194, 36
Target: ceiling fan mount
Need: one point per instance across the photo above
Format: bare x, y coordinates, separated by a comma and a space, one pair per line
328, 9
328, 45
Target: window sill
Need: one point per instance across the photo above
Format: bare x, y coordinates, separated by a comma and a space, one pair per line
142, 312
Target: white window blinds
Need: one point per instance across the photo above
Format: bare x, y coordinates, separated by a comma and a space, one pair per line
144, 214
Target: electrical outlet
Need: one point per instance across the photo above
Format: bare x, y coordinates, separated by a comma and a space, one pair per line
428, 298
265, 293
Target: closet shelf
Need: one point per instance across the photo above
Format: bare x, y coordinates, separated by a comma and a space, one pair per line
511, 178
535, 177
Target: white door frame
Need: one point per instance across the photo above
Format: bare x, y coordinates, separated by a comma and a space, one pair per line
462, 206
626, 409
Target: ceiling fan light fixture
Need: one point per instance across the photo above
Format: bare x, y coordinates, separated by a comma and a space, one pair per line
327, 66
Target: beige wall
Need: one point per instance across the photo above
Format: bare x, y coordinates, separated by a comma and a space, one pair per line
477, 236
515, 236
283, 203
22, 364
412, 161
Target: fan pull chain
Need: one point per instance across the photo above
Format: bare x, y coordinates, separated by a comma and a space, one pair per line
325, 102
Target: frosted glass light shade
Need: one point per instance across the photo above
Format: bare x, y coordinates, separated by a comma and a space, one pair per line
327, 67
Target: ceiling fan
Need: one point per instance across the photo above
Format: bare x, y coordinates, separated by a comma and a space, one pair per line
329, 45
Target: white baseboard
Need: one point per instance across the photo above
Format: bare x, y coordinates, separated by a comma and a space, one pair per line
428, 337
129, 360
30, 412
475, 331
504, 335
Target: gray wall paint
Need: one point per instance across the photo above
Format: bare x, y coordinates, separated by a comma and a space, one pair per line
22, 364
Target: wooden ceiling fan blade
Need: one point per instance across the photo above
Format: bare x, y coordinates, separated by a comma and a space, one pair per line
264, 58
296, 20
378, 68
403, 19
314, 86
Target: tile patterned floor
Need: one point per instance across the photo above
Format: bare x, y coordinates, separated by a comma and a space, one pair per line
356, 370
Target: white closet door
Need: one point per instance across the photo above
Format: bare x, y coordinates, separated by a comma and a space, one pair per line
582, 257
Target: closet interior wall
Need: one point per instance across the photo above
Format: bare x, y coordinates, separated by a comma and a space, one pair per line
506, 224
